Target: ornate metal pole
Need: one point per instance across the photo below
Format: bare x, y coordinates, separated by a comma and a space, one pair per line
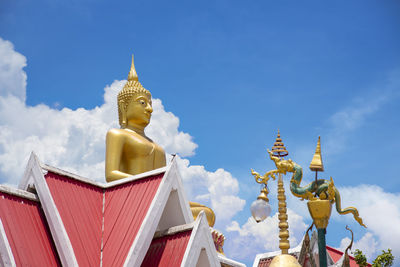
322, 247
320, 210
279, 151
284, 244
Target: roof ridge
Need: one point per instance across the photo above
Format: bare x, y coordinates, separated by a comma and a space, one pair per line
174, 230
18, 192
101, 184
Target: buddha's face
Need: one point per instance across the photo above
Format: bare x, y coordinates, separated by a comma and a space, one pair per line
139, 110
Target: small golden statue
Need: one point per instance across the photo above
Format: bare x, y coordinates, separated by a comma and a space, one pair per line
128, 150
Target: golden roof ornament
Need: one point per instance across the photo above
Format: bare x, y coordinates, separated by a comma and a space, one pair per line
279, 149
316, 162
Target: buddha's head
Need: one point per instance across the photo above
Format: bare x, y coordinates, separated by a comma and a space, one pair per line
134, 102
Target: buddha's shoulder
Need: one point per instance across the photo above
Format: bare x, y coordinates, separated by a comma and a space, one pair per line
158, 148
118, 133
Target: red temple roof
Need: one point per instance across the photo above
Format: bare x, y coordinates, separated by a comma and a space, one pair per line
125, 208
26, 230
167, 250
74, 221
337, 255
102, 219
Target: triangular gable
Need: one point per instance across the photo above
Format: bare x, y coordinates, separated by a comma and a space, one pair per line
114, 222
185, 245
24, 235
201, 248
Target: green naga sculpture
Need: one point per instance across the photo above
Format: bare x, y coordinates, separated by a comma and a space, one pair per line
319, 189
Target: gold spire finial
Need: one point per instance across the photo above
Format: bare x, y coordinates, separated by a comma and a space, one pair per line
132, 76
279, 149
316, 162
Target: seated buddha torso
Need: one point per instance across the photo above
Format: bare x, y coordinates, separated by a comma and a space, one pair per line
138, 153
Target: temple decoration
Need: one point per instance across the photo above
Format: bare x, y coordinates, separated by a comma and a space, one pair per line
346, 259
261, 210
323, 189
316, 162
279, 148
321, 194
307, 254
219, 240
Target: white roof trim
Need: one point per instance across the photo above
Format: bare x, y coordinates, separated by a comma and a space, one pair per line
100, 184
174, 230
63, 244
24, 183
18, 193
171, 181
200, 239
230, 262
135, 177
6, 255
261, 256
178, 186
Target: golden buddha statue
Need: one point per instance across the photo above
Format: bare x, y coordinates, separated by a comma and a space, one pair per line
128, 150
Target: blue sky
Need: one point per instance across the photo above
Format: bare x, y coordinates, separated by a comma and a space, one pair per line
234, 72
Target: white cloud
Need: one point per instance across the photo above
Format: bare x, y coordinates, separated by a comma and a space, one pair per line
12, 77
349, 119
381, 214
217, 189
74, 140
252, 237
164, 130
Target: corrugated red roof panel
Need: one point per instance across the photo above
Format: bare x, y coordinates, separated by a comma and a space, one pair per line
27, 232
167, 250
81, 209
126, 206
80, 206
